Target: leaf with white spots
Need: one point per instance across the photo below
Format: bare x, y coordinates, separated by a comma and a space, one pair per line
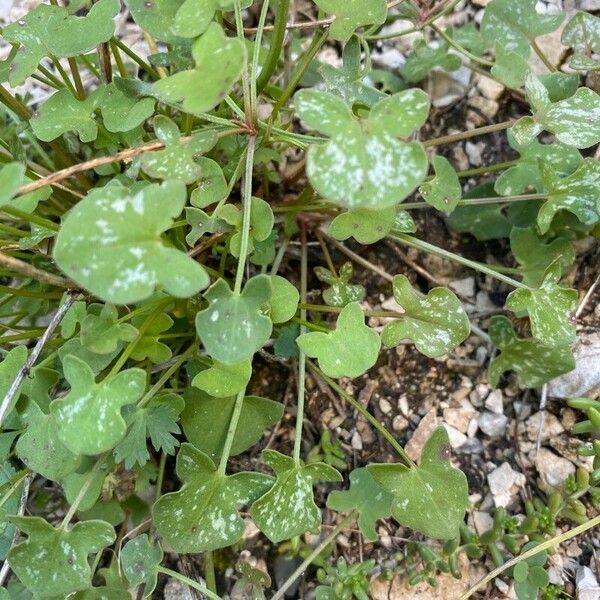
582, 33
550, 308
431, 498
219, 63
233, 326
101, 331
288, 509
424, 58
194, 16
340, 291
443, 191
88, 418
578, 193
364, 165
121, 112
510, 67
178, 159
203, 515
336, 350
364, 225
140, 559
284, 300
212, 186
365, 496
54, 561
352, 14
110, 243
10, 366
436, 323
533, 362
224, 380
261, 225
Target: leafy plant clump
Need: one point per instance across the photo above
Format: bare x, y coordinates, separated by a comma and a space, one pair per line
161, 214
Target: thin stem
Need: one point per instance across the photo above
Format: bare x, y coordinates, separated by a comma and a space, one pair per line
409, 240
189, 582
501, 166
276, 45
481, 201
361, 261
209, 571
77, 78
118, 59
28, 270
462, 50
235, 417
13, 104
239, 25
365, 413
464, 135
255, 56
135, 58
542, 56
51, 77
65, 76
160, 476
30, 218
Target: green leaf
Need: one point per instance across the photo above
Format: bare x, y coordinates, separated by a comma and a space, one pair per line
203, 514
582, 33
149, 346
511, 25
177, 159
538, 577
51, 30
122, 113
551, 309
233, 327
223, 380
443, 191
88, 418
10, 366
526, 174
534, 363
12, 176
102, 593
156, 17
510, 67
284, 301
157, 421
364, 225
9, 507
261, 224
54, 561
521, 572
110, 244
352, 14
469, 37
576, 193
365, 496
363, 165
74, 483
140, 559
431, 498
219, 63
63, 112
194, 16
288, 509
212, 186
436, 323
560, 85
205, 421
336, 351
424, 58
341, 292
101, 331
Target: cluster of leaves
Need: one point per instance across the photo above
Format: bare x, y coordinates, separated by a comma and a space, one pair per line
154, 220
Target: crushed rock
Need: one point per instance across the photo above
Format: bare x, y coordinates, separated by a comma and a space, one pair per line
552, 468
504, 484
421, 434
492, 424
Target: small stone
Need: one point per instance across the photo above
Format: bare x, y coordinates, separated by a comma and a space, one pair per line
491, 424
471, 446
399, 423
421, 434
459, 417
175, 590
385, 406
464, 287
473, 427
474, 152
457, 438
403, 405
356, 441
504, 484
553, 469
552, 427
486, 106
250, 529
489, 88
494, 402
587, 584
482, 521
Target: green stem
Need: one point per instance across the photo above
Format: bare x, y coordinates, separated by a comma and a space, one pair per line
235, 417
469, 133
13, 104
255, 56
51, 77
118, 60
542, 56
462, 50
365, 413
189, 582
275, 47
409, 240
481, 201
77, 78
160, 476
135, 58
487, 169
239, 26
209, 571
30, 218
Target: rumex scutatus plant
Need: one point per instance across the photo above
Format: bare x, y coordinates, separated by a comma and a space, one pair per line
155, 241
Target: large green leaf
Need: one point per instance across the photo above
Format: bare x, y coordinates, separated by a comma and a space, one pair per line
10, 507
431, 498
352, 14
336, 351
364, 165
288, 509
110, 243
54, 561
437, 323
203, 514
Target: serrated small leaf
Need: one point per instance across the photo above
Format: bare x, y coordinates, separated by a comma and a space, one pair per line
443, 191
219, 62
365, 496
352, 14
431, 498
122, 113
341, 292
424, 58
89, 246
101, 331
88, 418
223, 380
140, 559
364, 225
336, 351
233, 327
284, 300
54, 561
534, 363
288, 508
364, 165
436, 323
203, 514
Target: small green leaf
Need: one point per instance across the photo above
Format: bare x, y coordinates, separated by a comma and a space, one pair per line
54, 561
203, 514
436, 323
212, 187
364, 165
140, 559
582, 33
205, 421
288, 508
336, 351
224, 380
10, 507
12, 176
10, 366
364, 225
75, 482
284, 301
424, 58
219, 63
443, 191
365, 496
470, 37
261, 225
101, 331
88, 418
233, 327
90, 245
521, 572
352, 14
510, 67
431, 498
156, 17
538, 577
551, 309
149, 346
534, 363
194, 16
341, 292
122, 113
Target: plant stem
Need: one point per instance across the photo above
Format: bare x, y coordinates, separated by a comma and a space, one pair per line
480, 201
135, 58
118, 59
365, 413
209, 571
28, 270
30, 218
239, 25
77, 78
542, 56
255, 56
409, 240
462, 50
276, 45
469, 133
487, 169
189, 582
13, 104
235, 417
